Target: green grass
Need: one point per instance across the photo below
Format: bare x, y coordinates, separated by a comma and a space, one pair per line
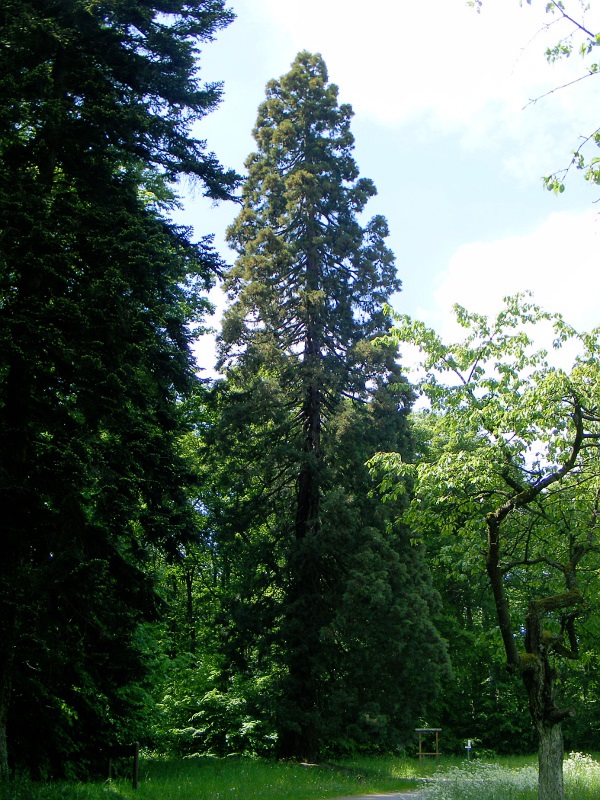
252, 779
225, 779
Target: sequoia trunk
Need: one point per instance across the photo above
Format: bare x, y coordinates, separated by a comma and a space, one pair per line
305, 603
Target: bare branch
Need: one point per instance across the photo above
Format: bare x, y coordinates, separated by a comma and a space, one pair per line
534, 100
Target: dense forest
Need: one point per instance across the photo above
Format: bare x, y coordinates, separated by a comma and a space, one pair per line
291, 560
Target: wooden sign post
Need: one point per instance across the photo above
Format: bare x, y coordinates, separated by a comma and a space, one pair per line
422, 752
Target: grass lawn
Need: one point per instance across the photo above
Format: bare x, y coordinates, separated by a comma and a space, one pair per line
252, 779
227, 779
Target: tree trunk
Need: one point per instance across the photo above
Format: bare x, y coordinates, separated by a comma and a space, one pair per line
4, 774
534, 666
300, 739
6, 668
550, 762
539, 678
15, 455
188, 576
299, 734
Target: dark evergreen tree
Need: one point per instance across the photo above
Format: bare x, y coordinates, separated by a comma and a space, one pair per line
332, 583
97, 291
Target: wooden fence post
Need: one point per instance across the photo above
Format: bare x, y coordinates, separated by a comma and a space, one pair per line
136, 764
125, 751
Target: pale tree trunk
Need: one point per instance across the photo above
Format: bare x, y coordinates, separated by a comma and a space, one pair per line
539, 678
550, 761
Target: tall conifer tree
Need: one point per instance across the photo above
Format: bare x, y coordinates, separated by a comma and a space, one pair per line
307, 297
97, 289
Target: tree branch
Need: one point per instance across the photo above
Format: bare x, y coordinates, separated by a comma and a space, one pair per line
559, 7
534, 100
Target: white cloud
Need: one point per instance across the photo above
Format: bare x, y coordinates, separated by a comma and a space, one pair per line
439, 64
557, 261
405, 59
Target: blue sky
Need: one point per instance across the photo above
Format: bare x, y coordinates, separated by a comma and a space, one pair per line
444, 129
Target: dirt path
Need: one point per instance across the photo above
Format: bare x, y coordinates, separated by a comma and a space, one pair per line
414, 795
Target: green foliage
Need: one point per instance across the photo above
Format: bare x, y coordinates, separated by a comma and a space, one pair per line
305, 265
97, 290
479, 700
506, 477
323, 600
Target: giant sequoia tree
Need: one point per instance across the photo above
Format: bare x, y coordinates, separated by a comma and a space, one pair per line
307, 400
97, 288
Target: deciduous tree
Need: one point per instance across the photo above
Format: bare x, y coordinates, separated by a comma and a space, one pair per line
512, 474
